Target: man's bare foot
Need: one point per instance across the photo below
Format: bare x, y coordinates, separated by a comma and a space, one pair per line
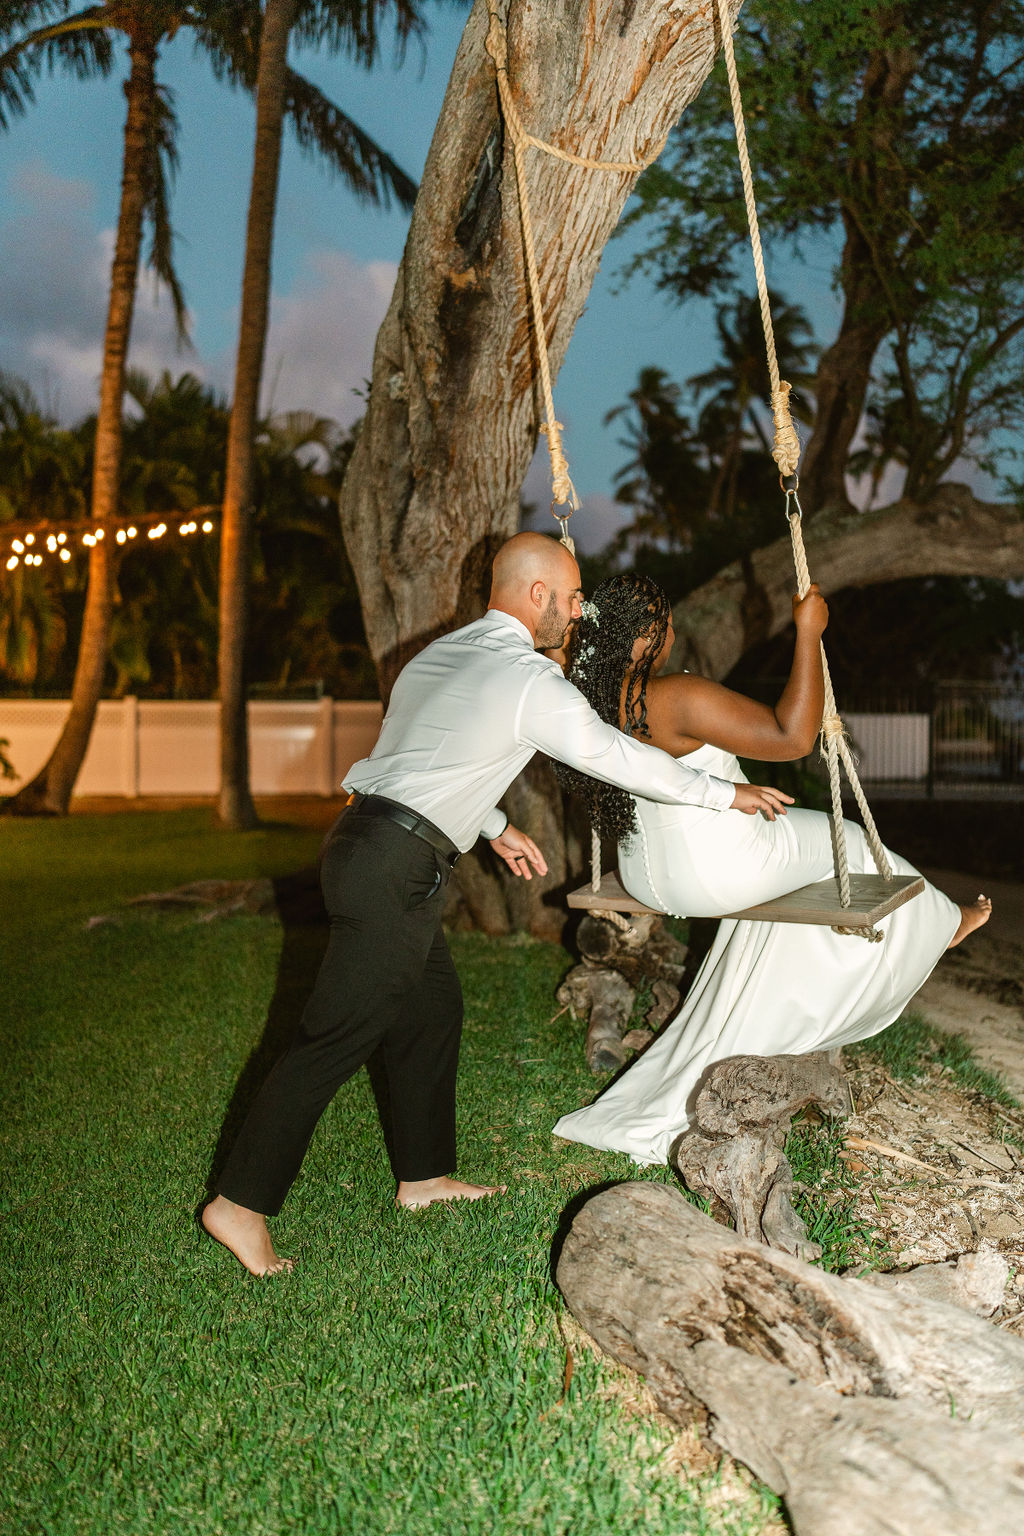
245, 1233
972, 916
416, 1194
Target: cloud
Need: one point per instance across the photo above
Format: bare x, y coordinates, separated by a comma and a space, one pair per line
56, 274
320, 345
56, 267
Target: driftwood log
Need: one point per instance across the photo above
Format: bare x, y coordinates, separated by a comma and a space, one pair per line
732, 1155
871, 1411
603, 988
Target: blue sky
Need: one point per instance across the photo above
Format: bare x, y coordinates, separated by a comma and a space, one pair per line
334, 260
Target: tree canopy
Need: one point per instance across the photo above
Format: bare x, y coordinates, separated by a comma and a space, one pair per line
895, 128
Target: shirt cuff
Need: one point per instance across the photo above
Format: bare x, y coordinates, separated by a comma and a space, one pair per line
720, 793
494, 824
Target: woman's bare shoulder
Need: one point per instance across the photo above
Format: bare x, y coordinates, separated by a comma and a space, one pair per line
668, 712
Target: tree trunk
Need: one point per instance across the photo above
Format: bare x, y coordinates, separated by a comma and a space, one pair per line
953, 534
235, 806
842, 378
49, 793
838, 1394
433, 486
432, 490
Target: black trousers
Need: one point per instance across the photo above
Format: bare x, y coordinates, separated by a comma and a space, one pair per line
387, 979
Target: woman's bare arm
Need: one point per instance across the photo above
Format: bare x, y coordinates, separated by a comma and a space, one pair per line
684, 710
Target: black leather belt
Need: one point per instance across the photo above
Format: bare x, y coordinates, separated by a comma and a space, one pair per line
412, 821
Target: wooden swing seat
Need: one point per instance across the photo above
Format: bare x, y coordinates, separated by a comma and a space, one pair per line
871, 898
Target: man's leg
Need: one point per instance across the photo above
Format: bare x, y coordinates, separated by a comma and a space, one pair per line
382, 929
421, 1058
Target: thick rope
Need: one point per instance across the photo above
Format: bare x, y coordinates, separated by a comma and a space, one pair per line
833, 737
786, 452
563, 492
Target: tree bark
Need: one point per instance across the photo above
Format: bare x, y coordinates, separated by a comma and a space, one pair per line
235, 806
433, 486
49, 793
953, 534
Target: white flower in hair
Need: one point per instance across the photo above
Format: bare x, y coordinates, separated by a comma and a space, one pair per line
590, 612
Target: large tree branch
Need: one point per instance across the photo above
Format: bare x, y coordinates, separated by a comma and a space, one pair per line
952, 534
433, 485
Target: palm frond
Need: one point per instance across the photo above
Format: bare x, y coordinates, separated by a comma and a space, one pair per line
162, 164
353, 27
227, 34
78, 43
322, 127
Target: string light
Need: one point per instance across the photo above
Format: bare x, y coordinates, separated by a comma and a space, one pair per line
21, 546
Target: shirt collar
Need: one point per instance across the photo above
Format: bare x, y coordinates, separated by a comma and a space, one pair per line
509, 620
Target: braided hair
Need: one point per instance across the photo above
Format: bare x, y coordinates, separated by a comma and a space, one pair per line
622, 609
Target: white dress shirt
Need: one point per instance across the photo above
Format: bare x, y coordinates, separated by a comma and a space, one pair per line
468, 713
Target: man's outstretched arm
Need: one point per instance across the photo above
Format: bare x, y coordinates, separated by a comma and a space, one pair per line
556, 718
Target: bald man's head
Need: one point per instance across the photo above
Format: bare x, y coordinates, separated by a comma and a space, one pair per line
537, 580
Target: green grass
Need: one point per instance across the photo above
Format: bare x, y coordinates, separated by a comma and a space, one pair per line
827, 1201
909, 1048
407, 1377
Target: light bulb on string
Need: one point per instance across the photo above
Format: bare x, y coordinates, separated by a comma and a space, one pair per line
12, 562
61, 538
30, 538
17, 546
65, 555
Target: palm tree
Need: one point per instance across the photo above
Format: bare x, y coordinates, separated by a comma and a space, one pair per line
38, 34
664, 480
351, 24
41, 476
83, 44
741, 380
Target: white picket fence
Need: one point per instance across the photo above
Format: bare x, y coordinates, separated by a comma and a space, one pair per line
155, 747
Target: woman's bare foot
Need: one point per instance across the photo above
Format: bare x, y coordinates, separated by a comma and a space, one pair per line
971, 917
245, 1233
414, 1195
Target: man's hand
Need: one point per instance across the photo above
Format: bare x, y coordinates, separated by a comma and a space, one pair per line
751, 798
519, 852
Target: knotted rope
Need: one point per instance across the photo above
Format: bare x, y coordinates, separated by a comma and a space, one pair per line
835, 745
563, 492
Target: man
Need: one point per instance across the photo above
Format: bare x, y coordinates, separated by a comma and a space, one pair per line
465, 717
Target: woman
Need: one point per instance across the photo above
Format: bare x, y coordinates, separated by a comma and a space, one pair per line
765, 989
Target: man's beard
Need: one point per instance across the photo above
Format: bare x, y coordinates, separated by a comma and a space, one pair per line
552, 629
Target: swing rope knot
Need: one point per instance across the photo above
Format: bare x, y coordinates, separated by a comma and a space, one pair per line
831, 726
786, 452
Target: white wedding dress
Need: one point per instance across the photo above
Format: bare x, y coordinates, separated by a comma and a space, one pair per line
765, 989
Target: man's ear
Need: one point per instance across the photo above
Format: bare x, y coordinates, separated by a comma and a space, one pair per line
538, 593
